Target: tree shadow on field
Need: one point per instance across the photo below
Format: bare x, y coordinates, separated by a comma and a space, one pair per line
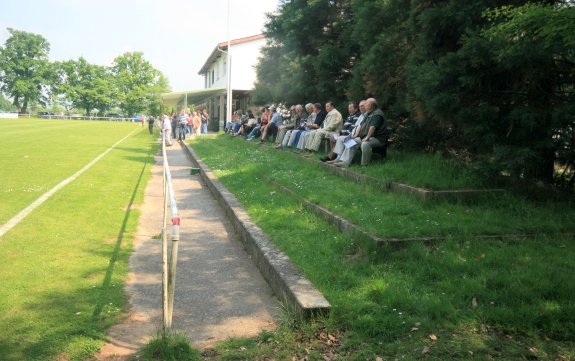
114, 258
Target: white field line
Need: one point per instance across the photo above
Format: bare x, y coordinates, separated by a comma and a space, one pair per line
20, 216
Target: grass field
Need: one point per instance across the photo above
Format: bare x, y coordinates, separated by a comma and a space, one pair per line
460, 299
64, 265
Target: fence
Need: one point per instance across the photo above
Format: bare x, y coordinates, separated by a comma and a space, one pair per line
169, 268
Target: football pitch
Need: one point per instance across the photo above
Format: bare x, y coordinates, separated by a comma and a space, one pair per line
64, 262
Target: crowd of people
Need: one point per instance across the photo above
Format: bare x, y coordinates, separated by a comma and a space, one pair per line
183, 126
305, 127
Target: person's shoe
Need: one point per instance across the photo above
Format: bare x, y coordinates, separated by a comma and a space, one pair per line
325, 158
333, 161
308, 154
249, 138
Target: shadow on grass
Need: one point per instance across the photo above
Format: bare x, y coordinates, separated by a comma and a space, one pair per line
117, 247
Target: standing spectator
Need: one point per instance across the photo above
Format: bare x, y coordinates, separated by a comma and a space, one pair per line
151, 124
205, 121
182, 125
167, 129
197, 122
174, 120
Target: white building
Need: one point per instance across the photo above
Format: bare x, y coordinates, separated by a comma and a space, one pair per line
245, 53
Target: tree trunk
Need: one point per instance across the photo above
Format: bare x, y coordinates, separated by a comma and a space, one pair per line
24, 105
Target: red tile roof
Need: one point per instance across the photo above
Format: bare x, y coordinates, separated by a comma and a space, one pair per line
224, 44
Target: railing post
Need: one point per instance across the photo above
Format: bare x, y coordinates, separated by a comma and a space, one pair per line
166, 322
169, 268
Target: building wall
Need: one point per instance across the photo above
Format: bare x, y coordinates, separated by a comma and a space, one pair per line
244, 59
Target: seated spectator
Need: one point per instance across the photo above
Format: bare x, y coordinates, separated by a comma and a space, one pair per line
247, 126
256, 131
308, 117
348, 126
331, 125
317, 123
234, 126
370, 134
272, 128
293, 122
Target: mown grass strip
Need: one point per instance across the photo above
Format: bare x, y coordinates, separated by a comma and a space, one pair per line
32, 164
479, 299
63, 267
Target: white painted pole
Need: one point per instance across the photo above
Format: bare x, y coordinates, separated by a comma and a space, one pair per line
166, 321
229, 71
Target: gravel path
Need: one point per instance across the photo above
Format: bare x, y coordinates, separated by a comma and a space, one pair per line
219, 291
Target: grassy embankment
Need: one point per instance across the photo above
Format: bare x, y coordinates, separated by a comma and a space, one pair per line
64, 265
462, 298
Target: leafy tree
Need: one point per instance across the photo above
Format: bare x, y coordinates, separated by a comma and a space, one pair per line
308, 57
24, 68
534, 49
84, 85
137, 83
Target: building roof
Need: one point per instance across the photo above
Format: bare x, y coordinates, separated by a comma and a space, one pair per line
224, 46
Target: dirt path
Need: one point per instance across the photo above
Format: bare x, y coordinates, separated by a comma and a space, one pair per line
219, 291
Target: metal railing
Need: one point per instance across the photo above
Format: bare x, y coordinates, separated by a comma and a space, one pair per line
169, 268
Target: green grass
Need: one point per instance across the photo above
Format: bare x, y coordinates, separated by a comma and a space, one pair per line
168, 347
63, 267
391, 302
384, 214
29, 170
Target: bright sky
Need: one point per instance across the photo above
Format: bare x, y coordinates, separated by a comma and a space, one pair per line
176, 36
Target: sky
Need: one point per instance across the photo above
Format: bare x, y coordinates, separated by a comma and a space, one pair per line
176, 36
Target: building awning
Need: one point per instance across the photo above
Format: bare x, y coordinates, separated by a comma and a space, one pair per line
183, 99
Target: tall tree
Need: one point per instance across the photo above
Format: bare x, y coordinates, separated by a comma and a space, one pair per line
136, 81
308, 56
534, 51
24, 68
84, 85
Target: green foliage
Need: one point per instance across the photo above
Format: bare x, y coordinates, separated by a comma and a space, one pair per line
27, 77
137, 83
24, 68
488, 80
308, 57
84, 85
